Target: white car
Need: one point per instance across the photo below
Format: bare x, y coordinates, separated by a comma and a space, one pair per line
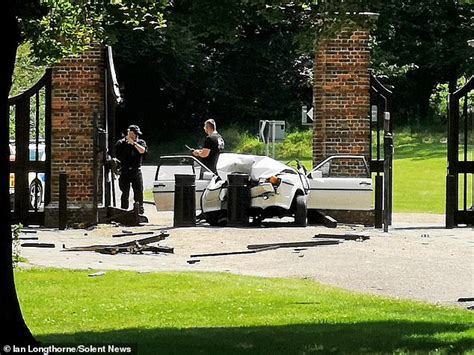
276, 189
341, 182
168, 166
36, 181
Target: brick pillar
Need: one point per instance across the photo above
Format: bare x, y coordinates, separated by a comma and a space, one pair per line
341, 95
77, 94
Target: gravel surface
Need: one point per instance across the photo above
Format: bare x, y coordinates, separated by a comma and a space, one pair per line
417, 259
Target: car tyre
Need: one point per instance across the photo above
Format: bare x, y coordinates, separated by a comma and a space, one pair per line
300, 211
36, 194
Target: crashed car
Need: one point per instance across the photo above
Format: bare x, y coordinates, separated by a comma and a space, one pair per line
276, 189
340, 182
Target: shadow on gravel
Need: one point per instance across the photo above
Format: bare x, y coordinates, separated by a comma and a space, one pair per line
376, 337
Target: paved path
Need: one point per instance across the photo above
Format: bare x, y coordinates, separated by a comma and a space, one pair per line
418, 259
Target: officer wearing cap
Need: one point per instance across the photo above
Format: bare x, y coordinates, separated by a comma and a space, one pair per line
130, 150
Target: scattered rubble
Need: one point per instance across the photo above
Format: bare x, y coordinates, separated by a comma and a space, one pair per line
137, 246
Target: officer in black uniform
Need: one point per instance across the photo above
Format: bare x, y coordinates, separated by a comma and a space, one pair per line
213, 144
130, 150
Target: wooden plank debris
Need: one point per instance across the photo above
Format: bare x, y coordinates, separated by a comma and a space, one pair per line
127, 234
235, 252
311, 243
319, 217
137, 249
142, 242
37, 245
343, 236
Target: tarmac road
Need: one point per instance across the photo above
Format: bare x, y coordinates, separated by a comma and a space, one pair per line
418, 259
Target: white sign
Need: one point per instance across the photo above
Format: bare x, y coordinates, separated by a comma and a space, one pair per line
262, 126
374, 112
306, 116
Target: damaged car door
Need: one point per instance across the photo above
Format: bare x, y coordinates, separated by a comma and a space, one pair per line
164, 184
340, 183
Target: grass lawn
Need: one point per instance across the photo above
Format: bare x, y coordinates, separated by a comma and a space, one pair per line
186, 313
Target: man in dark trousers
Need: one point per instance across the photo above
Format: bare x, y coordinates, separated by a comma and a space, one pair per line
130, 150
213, 144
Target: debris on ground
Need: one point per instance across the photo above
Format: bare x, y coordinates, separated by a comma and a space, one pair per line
125, 217
311, 243
137, 246
343, 236
100, 273
37, 245
235, 252
126, 234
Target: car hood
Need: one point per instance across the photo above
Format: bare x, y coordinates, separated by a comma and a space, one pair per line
254, 165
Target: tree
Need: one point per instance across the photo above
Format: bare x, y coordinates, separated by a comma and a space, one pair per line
428, 39
55, 28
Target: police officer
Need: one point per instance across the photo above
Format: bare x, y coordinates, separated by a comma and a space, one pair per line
213, 144
130, 150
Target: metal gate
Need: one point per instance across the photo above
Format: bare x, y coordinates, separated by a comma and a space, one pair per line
459, 181
381, 151
30, 152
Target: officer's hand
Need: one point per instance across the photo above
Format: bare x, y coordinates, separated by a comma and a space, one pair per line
196, 153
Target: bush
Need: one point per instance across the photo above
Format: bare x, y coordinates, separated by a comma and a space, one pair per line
296, 145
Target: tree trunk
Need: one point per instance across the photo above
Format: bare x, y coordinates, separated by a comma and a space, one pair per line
15, 330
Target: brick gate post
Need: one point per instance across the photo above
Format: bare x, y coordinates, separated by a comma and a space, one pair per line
77, 94
341, 101
342, 95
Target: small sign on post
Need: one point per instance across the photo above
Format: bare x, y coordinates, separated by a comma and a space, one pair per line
273, 131
306, 116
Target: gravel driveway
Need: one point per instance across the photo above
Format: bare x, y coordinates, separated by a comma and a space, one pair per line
418, 259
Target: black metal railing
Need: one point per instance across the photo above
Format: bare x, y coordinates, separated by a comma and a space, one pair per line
459, 202
30, 148
381, 151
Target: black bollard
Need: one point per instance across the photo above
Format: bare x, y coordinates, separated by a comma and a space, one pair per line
238, 205
184, 201
62, 201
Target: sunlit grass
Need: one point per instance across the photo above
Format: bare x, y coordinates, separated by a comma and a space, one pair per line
223, 313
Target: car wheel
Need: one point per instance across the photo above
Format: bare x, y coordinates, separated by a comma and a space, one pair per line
300, 211
36, 194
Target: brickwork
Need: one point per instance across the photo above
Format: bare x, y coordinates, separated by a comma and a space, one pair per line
341, 96
77, 93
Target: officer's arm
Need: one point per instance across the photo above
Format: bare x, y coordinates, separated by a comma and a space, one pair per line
204, 152
141, 149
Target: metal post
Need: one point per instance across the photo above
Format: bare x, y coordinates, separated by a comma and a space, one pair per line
273, 139
184, 201
238, 200
378, 201
450, 200
388, 152
62, 201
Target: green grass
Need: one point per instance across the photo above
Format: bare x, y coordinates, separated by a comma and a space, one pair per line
186, 313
